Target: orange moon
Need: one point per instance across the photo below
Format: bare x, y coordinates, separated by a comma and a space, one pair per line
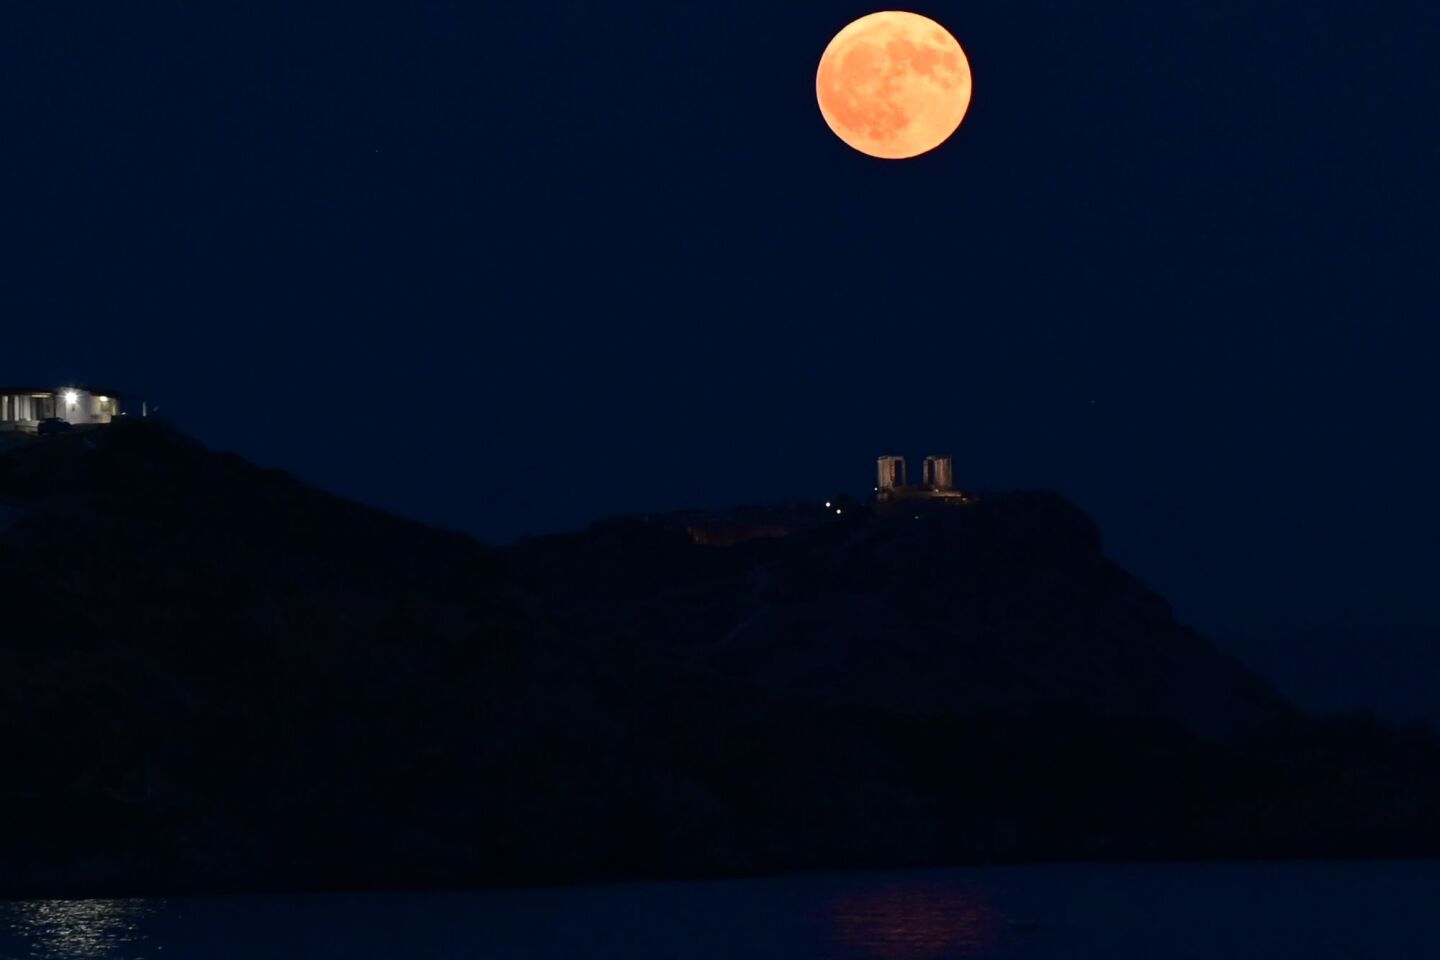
894, 85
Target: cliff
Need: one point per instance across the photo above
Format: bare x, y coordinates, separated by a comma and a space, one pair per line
212, 677
1007, 604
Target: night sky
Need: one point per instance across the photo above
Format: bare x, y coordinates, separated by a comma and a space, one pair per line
510, 269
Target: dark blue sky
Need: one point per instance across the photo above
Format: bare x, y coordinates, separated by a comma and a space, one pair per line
510, 269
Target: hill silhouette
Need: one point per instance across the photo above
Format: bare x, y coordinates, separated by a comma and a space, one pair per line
213, 677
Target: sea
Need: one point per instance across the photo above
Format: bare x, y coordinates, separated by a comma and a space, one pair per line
1315, 911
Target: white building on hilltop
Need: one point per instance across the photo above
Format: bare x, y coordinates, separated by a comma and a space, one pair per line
28, 408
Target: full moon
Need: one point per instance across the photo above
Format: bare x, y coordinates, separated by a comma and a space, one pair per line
894, 85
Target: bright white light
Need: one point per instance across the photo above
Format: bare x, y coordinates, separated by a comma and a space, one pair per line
827, 504
838, 512
71, 397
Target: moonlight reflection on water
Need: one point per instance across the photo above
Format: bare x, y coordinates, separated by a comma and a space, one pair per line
78, 929
916, 921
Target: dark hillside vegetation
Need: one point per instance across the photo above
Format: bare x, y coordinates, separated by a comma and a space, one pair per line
212, 677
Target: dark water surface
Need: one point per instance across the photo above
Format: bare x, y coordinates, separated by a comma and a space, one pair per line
1315, 911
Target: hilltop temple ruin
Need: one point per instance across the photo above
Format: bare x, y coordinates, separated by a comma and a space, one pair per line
937, 482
